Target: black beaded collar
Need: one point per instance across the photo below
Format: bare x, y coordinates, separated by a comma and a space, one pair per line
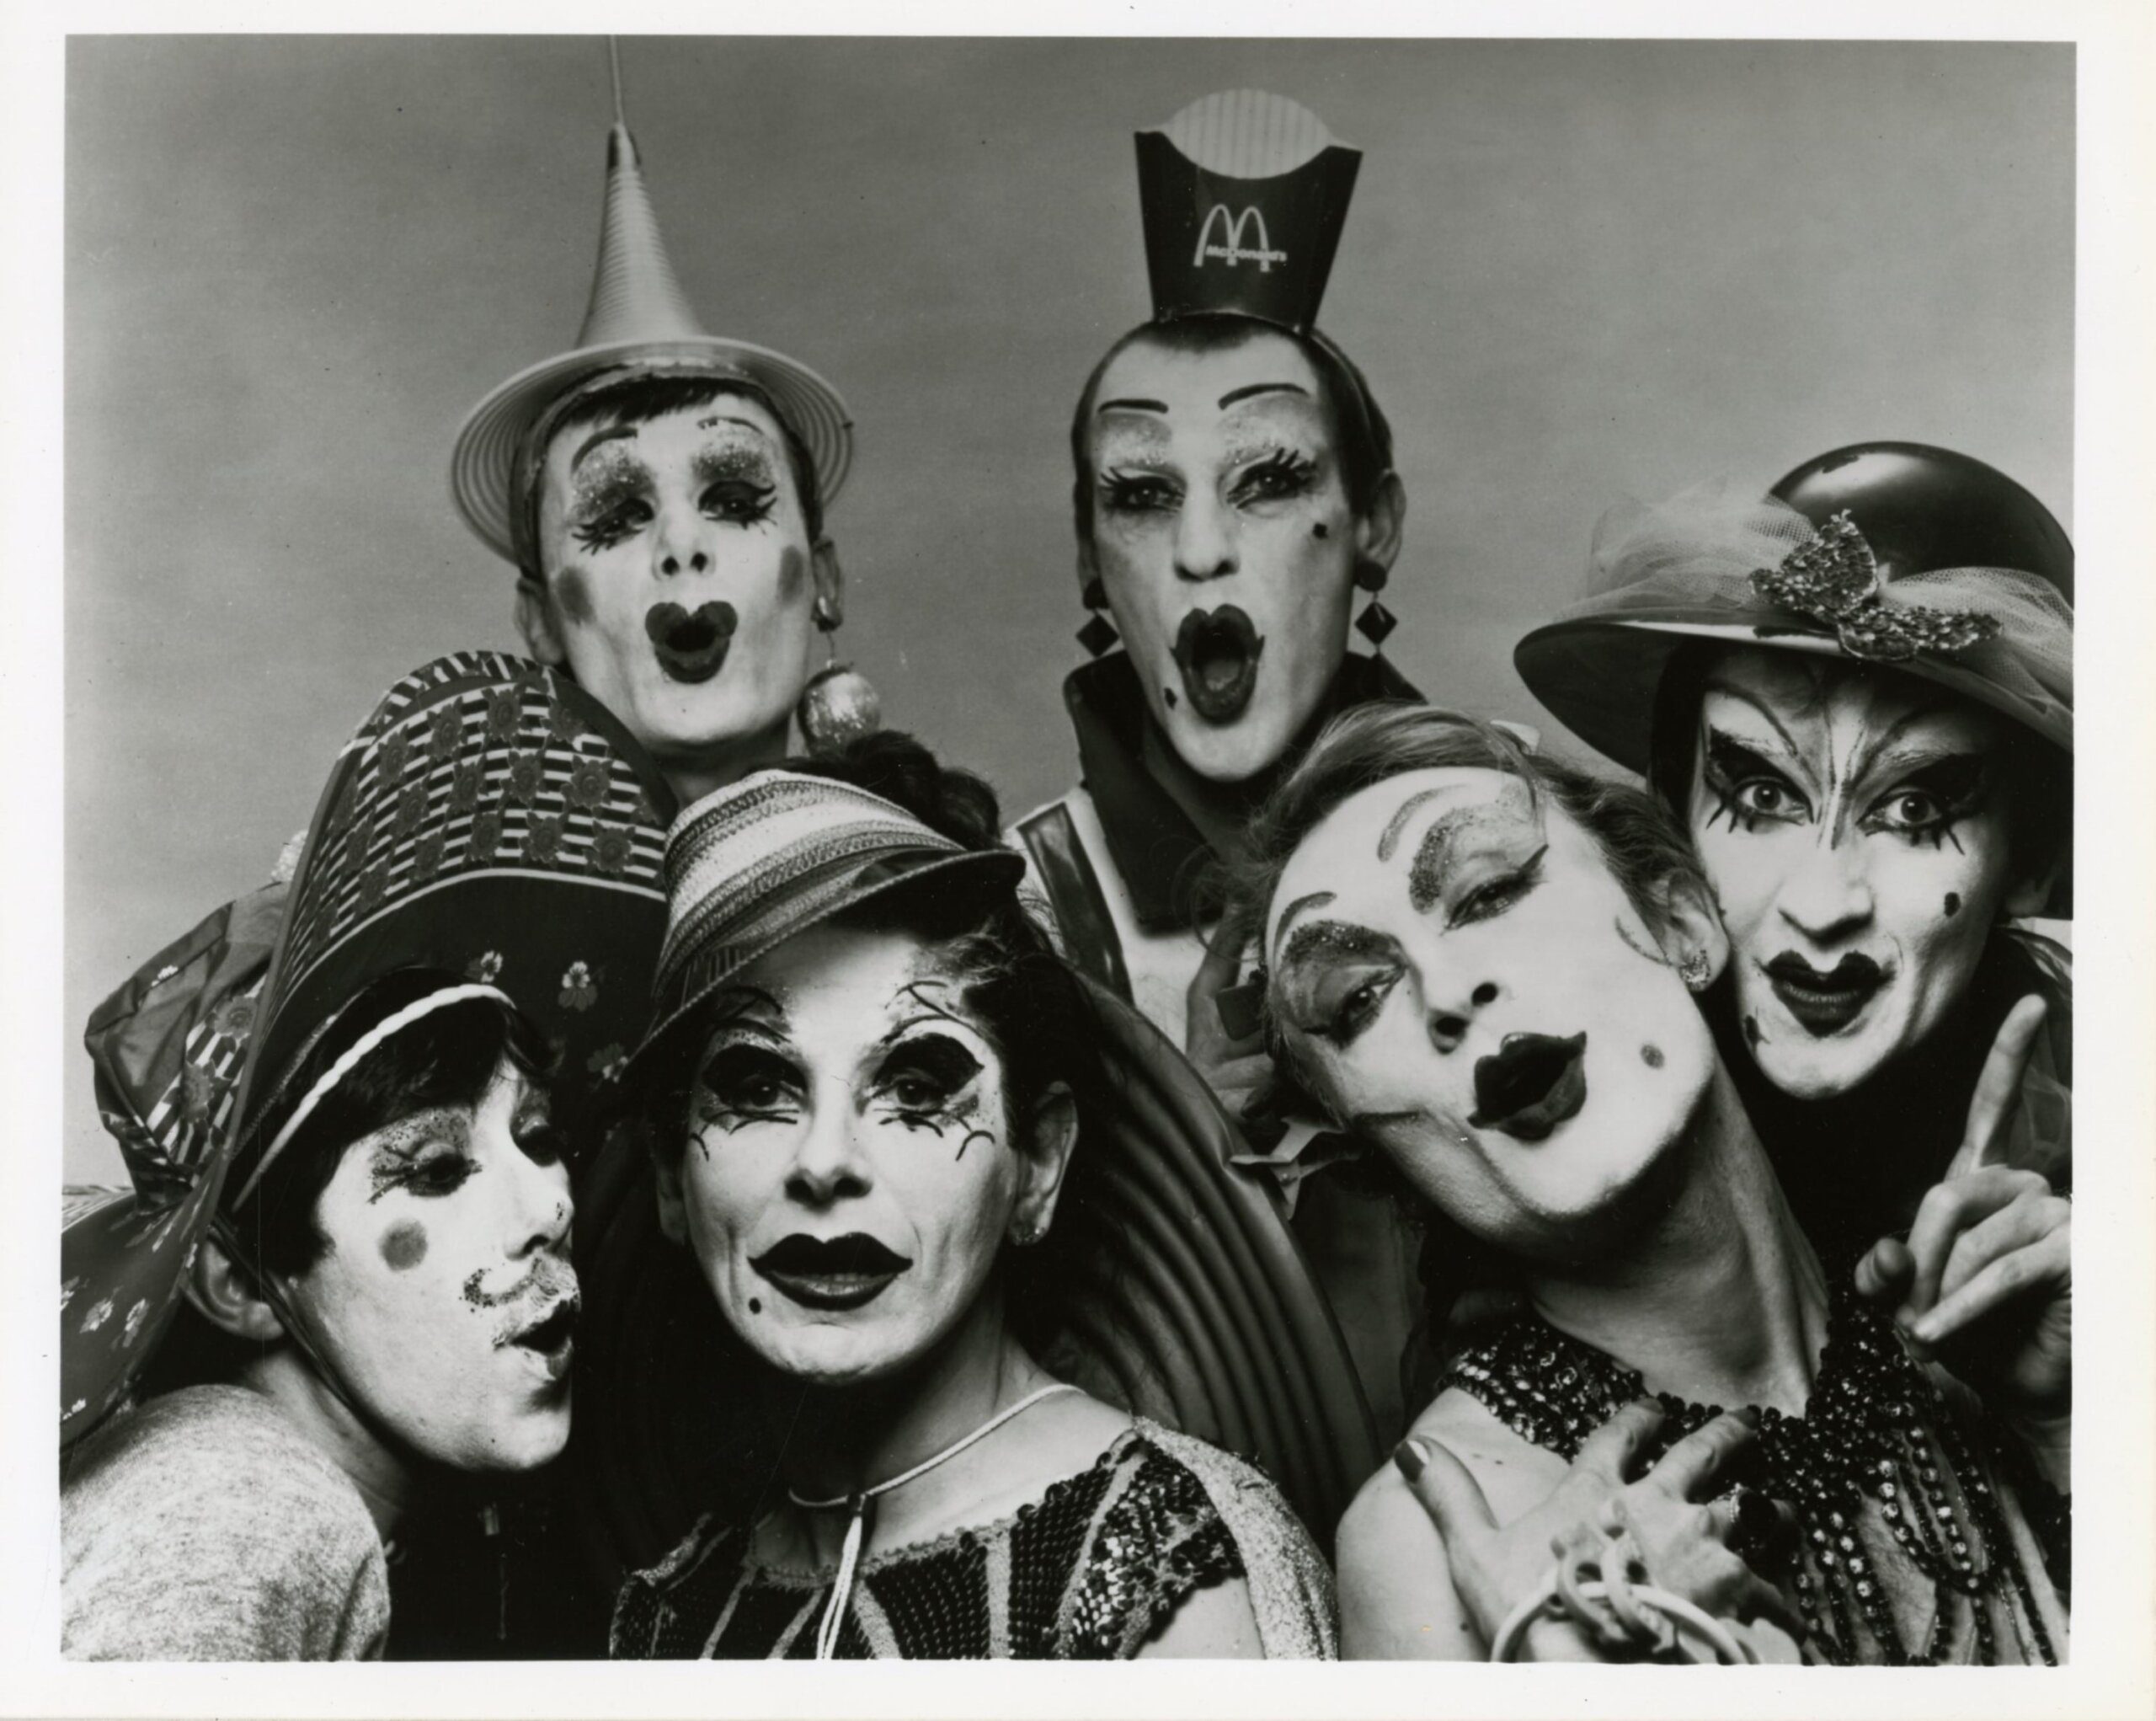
1875, 1426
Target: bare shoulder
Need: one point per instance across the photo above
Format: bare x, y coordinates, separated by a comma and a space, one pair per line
1396, 1596
1514, 1474
1219, 1622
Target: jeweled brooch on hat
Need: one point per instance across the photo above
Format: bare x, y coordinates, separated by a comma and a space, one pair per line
1832, 577
1244, 194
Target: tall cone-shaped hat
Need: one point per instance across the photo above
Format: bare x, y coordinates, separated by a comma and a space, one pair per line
638, 320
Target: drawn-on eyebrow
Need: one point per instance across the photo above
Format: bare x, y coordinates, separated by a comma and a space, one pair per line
1870, 759
1245, 392
1317, 899
1398, 821
612, 433
1744, 698
740, 1006
725, 418
1130, 405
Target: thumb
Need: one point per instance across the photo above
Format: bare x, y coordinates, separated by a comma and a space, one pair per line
1885, 1269
1204, 1033
1448, 1494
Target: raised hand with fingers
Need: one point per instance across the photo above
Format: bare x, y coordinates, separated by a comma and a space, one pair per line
1234, 1067
1984, 1281
1608, 1529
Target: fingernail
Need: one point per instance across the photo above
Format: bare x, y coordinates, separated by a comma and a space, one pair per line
1925, 1331
1411, 1458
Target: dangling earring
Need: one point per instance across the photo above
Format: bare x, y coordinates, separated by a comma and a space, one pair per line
838, 705
1098, 633
1376, 621
1696, 971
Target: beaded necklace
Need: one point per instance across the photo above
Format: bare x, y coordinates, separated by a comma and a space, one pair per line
1874, 1427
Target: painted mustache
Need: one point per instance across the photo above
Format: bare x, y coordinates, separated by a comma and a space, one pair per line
1218, 652
1531, 1084
831, 1272
1824, 1003
690, 647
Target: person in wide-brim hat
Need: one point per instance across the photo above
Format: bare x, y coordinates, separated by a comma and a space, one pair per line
346, 1104
661, 491
924, 1181
1856, 692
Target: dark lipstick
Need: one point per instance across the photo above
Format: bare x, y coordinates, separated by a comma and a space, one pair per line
1218, 652
831, 1272
1531, 1084
1824, 1003
690, 646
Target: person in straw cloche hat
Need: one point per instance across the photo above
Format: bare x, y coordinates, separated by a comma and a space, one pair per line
663, 493
968, 1221
341, 1282
1856, 694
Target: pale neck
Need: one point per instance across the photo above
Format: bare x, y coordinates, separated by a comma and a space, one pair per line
693, 775
384, 1481
866, 1435
1717, 1297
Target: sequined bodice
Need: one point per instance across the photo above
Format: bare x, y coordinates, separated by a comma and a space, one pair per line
1092, 1570
1909, 1549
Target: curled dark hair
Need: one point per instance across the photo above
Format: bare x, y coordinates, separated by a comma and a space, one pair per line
1367, 744
1360, 429
1032, 1005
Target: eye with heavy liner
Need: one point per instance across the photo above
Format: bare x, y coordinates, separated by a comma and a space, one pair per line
1930, 797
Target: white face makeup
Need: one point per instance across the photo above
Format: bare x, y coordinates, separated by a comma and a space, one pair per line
1459, 977
1852, 826
1223, 539
848, 1176
447, 1300
680, 580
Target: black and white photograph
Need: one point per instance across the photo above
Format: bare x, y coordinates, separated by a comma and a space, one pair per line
1178, 847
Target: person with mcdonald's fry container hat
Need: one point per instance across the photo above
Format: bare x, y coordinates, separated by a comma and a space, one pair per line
663, 493
1235, 500
342, 1274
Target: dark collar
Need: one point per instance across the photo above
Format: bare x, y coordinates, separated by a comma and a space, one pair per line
1156, 848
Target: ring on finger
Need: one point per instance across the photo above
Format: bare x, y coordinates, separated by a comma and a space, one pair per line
1754, 1525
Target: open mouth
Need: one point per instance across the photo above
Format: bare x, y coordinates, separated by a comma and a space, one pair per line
552, 1338
1824, 1003
1217, 651
1531, 1084
690, 646
831, 1272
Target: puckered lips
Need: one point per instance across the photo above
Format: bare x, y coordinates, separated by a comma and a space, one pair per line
1826, 1003
548, 1333
831, 1272
1531, 1084
691, 645
1217, 650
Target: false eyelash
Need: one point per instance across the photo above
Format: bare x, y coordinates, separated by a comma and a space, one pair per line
602, 533
1292, 473
1136, 493
761, 502
1500, 892
1715, 773
1957, 785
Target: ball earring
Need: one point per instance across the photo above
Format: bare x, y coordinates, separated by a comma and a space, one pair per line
1098, 634
839, 705
1026, 1233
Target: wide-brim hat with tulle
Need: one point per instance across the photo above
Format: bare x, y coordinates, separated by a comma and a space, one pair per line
638, 323
1916, 558
490, 831
1191, 1302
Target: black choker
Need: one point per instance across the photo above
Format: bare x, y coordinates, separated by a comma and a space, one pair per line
1874, 1428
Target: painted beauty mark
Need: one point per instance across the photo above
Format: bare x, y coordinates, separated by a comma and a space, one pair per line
404, 1245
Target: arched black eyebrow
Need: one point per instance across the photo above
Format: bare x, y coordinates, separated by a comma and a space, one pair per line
1234, 395
1132, 405
1317, 899
612, 433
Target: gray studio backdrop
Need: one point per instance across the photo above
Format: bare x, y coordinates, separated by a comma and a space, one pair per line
1574, 270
